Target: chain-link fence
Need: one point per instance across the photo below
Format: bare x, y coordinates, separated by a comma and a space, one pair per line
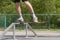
2, 22
48, 21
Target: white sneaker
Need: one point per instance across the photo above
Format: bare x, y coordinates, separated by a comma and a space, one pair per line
35, 19
20, 20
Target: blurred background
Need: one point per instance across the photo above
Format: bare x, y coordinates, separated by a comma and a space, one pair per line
47, 11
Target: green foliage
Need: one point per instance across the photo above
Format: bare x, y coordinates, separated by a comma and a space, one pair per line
40, 6
6, 6
57, 4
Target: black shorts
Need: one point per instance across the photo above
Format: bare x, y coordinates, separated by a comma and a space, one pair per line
19, 0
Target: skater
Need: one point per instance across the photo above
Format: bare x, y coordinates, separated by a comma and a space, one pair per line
30, 8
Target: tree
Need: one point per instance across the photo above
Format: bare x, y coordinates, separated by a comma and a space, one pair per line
6, 6
47, 6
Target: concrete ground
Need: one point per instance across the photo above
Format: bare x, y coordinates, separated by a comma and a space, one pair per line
35, 38
41, 35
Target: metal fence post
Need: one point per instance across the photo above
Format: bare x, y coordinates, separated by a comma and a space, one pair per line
5, 21
48, 22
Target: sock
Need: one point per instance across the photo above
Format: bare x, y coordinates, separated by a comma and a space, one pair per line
20, 15
33, 15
